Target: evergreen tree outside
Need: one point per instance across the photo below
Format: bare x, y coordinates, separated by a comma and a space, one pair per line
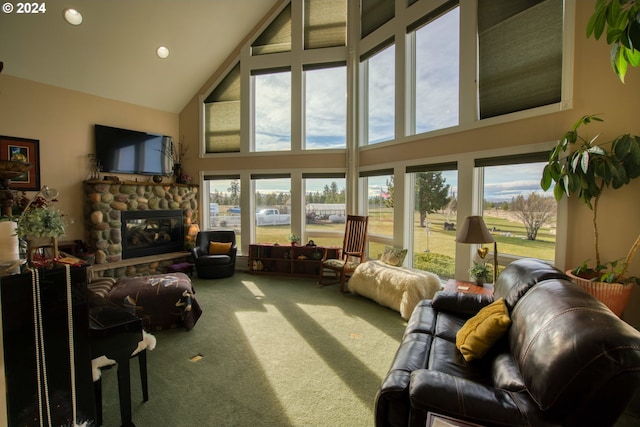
432, 194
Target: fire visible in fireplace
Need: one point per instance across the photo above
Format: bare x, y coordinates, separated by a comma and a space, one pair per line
151, 232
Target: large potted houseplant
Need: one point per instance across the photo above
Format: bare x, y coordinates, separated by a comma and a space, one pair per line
620, 21
586, 167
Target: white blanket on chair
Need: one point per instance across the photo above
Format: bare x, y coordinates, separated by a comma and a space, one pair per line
398, 288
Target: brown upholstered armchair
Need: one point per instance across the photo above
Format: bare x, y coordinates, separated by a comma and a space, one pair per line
215, 254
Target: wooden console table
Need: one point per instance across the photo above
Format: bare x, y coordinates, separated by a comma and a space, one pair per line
288, 260
454, 285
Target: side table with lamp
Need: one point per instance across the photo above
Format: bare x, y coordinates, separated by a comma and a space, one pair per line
474, 231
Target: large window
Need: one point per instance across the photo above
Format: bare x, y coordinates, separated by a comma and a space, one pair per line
273, 208
224, 203
380, 97
434, 218
272, 114
325, 107
412, 71
379, 190
437, 71
325, 208
521, 217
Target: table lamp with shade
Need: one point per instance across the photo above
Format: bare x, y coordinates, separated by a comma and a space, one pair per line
474, 230
192, 233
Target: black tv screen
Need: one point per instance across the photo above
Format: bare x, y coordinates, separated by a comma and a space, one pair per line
128, 151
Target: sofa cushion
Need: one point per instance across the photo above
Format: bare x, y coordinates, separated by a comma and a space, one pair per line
211, 260
101, 285
393, 256
521, 276
483, 330
219, 248
572, 351
461, 304
505, 374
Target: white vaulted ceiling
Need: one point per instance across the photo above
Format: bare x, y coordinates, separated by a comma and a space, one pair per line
113, 52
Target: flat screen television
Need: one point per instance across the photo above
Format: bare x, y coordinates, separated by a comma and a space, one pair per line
129, 151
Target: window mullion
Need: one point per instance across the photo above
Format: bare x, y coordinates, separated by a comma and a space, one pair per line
410, 85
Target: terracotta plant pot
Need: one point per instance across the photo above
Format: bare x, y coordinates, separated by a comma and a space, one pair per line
614, 295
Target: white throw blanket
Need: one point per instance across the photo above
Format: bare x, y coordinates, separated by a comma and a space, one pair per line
398, 288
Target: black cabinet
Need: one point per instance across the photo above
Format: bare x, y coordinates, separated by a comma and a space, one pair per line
46, 344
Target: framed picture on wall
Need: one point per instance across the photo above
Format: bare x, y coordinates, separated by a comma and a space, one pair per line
23, 150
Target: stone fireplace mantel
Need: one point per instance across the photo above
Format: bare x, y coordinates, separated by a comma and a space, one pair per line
106, 200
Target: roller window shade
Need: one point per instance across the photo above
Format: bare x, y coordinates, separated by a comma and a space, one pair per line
374, 13
265, 71
221, 177
377, 49
515, 159
270, 175
323, 66
222, 127
379, 172
325, 175
436, 167
325, 23
520, 55
228, 89
433, 15
276, 37
222, 115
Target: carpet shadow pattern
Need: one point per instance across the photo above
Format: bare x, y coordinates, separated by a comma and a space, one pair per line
273, 351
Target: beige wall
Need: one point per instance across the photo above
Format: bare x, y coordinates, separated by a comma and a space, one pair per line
62, 120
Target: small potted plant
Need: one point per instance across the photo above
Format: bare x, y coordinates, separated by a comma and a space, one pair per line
294, 239
39, 223
481, 273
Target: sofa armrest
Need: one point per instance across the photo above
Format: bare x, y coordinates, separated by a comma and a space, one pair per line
460, 303
434, 391
197, 252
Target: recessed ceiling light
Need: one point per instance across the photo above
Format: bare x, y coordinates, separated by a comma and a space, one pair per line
72, 16
162, 52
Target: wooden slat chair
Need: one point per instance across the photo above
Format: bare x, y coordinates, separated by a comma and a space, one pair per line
352, 254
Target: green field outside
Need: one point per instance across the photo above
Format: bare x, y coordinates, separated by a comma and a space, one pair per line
509, 233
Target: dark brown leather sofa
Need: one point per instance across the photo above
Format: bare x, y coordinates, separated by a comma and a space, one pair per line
566, 359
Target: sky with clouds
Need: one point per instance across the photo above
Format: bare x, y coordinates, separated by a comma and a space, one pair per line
436, 107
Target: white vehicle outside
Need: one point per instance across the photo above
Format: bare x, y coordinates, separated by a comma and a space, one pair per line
272, 217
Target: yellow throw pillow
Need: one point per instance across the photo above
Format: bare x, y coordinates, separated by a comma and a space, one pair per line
481, 332
219, 248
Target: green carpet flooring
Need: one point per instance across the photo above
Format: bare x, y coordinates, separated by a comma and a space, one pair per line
275, 351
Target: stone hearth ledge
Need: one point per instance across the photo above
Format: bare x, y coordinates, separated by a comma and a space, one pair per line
141, 266
104, 203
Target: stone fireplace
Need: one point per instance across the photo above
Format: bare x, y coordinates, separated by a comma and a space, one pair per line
153, 211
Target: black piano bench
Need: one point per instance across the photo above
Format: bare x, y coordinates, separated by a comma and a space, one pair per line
97, 385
